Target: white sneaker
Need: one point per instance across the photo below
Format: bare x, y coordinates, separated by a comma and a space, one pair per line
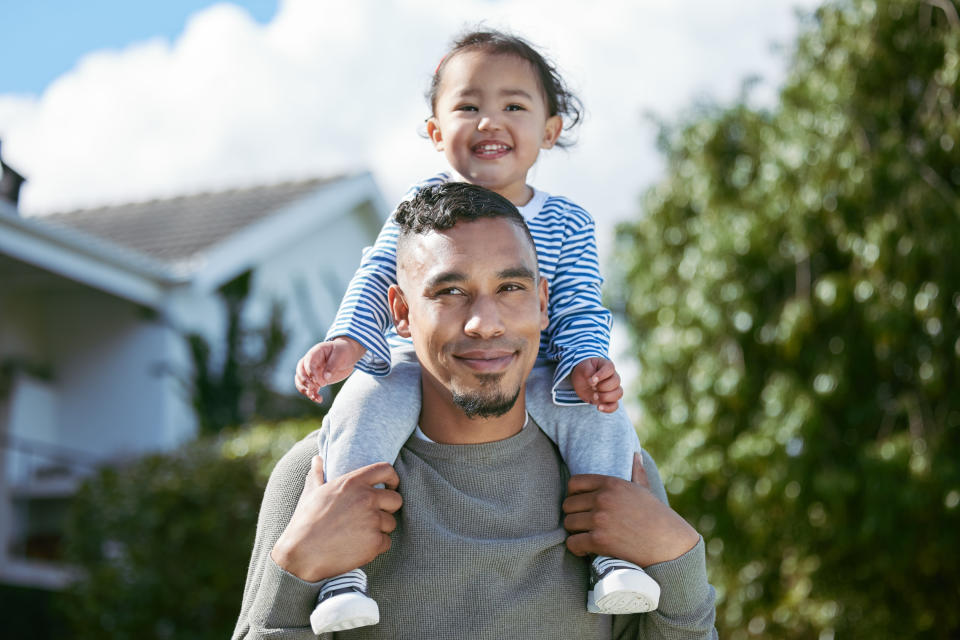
343, 604
620, 587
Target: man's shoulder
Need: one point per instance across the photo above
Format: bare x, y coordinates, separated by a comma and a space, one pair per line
295, 463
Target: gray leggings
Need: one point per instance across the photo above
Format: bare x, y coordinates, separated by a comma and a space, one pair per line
373, 416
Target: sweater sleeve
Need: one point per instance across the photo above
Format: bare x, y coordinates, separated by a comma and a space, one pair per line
276, 604
579, 323
687, 608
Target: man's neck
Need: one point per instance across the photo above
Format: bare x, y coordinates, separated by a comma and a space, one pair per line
446, 423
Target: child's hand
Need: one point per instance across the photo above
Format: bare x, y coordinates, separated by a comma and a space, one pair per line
597, 382
326, 363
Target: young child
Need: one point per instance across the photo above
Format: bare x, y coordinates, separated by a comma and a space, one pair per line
495, 103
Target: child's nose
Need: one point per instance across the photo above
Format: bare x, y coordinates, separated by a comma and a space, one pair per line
488, 123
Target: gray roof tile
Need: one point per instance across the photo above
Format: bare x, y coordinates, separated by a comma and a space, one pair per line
176, 229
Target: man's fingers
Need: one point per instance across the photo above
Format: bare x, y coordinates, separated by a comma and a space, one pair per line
579, 522
387, 523
579, 544
578, 503
586, 482
384, 544
378, 473
388, 500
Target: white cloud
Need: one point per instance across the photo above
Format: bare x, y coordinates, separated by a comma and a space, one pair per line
319, 90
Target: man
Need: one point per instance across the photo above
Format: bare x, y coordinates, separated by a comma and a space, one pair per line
480, 548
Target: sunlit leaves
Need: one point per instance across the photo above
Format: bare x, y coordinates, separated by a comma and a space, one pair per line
793, 286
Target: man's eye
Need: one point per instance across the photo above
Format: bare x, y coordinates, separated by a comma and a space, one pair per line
512, 287
450, 291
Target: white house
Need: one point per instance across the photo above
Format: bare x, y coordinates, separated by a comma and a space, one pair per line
94, 305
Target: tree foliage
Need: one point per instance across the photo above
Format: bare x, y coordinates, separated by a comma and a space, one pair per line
235, 388
163, 544
794, 294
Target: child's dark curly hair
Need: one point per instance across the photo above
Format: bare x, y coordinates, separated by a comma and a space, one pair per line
560, 100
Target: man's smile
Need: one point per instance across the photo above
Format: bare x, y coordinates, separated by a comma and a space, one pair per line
486, 360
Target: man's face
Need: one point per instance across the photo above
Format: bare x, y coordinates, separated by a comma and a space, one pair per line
471, 300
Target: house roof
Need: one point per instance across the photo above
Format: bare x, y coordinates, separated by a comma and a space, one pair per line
176, 229
138, 251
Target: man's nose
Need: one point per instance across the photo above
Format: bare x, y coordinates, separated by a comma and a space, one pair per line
484, 319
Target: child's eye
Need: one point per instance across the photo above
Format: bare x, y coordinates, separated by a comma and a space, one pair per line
466, 107
516, 107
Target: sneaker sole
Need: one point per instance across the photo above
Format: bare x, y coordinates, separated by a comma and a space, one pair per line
623, 592
342, 612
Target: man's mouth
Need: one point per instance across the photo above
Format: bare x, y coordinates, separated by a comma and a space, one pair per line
491, 149
486, 361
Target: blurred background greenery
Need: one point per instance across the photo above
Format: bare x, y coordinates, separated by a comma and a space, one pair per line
793, 289
793, 294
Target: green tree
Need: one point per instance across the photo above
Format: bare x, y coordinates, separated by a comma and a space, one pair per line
235, 388
793, 290
162, 545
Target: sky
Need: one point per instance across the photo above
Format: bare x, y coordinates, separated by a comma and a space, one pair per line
112, 101
108, 101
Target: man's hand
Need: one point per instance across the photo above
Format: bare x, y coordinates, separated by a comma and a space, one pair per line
597, 382
326, 363
612, 517
341, 525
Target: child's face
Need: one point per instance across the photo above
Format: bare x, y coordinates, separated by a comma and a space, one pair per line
491, 121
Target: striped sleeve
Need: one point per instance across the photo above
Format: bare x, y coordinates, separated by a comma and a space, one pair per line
364, 313
579, 323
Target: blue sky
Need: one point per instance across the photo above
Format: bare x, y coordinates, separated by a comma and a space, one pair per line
43, 39
108, 101
112, 101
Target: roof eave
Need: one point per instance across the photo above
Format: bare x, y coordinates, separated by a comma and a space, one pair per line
85, 259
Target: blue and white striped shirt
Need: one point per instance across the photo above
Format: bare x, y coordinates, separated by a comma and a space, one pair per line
567, 254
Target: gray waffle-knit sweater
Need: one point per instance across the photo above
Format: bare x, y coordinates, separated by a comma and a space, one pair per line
478, 553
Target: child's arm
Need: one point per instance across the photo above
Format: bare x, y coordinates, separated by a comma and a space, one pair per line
579, 331
326, 363
363, 315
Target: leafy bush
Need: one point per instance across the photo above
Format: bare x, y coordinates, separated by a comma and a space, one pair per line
163, 544
794, 292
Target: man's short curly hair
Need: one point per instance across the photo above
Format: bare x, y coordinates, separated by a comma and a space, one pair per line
440, 207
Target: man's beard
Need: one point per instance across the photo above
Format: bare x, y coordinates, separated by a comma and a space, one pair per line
490, 403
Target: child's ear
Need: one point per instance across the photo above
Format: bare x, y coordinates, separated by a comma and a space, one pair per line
552, 131
399, 310
433, 130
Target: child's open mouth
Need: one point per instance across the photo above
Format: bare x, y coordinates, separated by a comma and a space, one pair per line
491, 149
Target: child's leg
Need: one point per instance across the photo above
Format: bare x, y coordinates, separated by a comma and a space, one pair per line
369, 422
371, 418
589, 441
604, 443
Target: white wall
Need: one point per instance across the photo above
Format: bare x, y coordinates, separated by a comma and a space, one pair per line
309, 278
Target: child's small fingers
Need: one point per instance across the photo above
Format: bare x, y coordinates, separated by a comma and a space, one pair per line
608, 408
607, 397
608, 385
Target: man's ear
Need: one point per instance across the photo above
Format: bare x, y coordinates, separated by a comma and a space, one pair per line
542, 293
433, 130
399, 310
552, 131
